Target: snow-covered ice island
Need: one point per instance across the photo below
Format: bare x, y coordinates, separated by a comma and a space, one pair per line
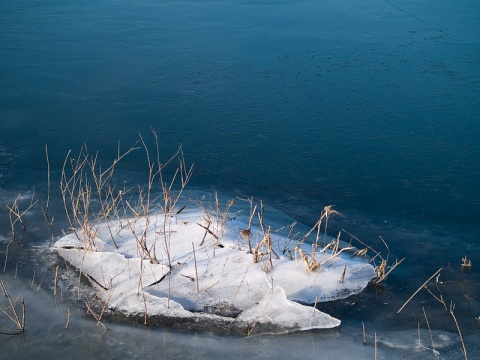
214, 264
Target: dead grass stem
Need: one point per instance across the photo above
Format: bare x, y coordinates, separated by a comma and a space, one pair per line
464, 349
96, 316
435, 352
247, 233
420, 288
11, 312
195, 262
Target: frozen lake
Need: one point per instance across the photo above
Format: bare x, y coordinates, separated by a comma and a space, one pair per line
370, 106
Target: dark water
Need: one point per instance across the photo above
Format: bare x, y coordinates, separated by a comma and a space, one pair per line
372, 106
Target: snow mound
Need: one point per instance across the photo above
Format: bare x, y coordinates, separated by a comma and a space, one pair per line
202, 264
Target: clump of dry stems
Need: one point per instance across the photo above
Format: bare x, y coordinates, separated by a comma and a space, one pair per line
247, 233
91, 197
384, 268
16, 217
438, 295
11, 312
216, 219
264, 248
466, 263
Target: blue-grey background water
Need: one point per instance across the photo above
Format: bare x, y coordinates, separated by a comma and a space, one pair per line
369, 105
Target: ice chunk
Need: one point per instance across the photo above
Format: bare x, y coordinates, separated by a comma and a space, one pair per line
198, 266
275, 313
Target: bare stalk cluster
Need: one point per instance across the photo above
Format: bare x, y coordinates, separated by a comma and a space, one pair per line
93, 200
384, 268
89, 194
247, 233
265, 251
264, 248
92, 197
16, 217
438, 295
11, 312
216, 218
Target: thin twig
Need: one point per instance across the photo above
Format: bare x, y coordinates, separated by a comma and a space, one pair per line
95, 315
12, 314
195, 261
315, 305
48, 182
420, 288
429, 330
55, 282
363, 332
452, 308
342, 279
68, 318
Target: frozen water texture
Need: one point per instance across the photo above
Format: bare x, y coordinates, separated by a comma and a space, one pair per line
210, 274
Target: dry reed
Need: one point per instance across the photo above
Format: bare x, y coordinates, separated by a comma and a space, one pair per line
11, 312
466, 263
439, 298
420, 288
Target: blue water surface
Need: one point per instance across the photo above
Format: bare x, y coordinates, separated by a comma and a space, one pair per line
370, 105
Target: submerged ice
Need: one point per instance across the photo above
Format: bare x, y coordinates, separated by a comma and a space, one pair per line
218, 266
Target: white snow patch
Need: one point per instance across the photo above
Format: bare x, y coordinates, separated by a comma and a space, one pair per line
218, 277
277, 311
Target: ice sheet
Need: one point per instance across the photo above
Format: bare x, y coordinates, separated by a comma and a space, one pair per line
203, 273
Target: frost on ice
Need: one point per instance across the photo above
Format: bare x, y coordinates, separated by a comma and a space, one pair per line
216, 267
